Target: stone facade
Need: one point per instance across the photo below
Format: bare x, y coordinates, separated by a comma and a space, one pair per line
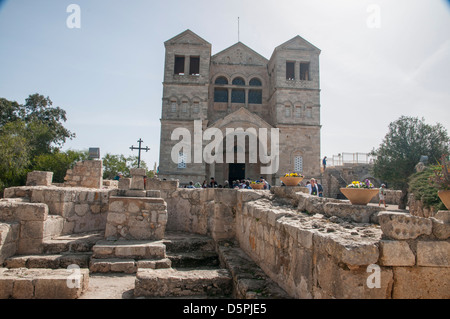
239, 88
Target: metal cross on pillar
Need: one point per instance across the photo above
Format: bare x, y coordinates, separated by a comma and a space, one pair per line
139, 150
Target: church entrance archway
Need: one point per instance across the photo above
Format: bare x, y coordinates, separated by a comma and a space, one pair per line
236, 171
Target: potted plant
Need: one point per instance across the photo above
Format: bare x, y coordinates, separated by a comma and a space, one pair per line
291, 179
441, 181
359, 193
257, 185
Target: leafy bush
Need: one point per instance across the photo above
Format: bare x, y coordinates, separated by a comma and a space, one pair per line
423, 190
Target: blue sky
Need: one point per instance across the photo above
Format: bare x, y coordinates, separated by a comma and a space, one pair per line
108, 74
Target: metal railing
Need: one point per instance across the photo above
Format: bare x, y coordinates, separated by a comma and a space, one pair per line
350, 158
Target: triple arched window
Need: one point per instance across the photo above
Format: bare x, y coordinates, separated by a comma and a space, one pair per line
238, 90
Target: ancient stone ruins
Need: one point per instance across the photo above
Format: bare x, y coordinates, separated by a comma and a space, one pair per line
212, 243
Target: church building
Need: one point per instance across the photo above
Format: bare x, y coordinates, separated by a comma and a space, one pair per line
239, 88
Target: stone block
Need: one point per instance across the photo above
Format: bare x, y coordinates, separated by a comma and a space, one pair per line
124, 183
356, 213
116, 218
433, 254
137, 172
396, 253
32, 230
403, 226
127, 266
23, 288
39, 178
155, 264
443, 215
137, 182
441, 229
421, 283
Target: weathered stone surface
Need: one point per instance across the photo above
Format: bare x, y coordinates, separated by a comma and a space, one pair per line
441, 229
137, 172
335, 280
403, 226
113, 265
87, 174
171, 282
433, 254
443, 215
154, 264
124, 183
38, 178
137, 182
43, 283
396, 253
129, 249
421, 283
356, 213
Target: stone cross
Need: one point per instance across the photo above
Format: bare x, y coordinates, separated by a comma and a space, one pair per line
139, 149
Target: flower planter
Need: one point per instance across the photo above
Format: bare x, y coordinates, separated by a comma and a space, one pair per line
359, 196
445, 198
257, 186
291, 181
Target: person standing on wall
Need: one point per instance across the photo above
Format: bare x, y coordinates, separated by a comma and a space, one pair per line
324, 163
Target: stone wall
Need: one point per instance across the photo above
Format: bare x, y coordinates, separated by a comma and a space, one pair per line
136, 218
85, 174
9, 237
319, 247
82, 209
28, 224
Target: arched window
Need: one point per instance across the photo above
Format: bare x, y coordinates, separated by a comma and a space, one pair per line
221, 80
238, 81
220, 95
298, 164
255, 82
255, 96
237, 96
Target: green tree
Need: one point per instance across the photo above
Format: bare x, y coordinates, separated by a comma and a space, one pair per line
26, 132
14, 155
59, 162
407, 140
115, 164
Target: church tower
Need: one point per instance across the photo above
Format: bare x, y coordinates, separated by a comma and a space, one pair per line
240, 89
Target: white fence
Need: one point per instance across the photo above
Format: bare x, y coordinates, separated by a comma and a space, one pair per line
350, 158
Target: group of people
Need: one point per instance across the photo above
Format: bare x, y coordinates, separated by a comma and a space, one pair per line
237, 184
314, 187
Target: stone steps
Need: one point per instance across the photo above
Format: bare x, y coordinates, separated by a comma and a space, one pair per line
49, 261
126, 265
182, 282
194, 259
181, 242
128, 255
134, 249
82, 242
